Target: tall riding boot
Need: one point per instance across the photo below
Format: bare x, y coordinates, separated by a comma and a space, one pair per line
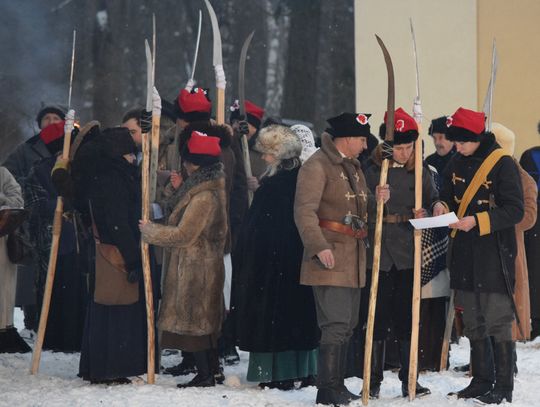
504, 375
404, 358
329, 376
204, 377
482, 370
377, 368
216, 367
187, 366
344, 353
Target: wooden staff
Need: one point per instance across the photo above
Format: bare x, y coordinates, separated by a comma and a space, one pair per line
145, 254
378, 225
413, 354
56, 231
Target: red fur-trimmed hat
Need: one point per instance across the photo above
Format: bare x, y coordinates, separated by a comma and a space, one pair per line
405, 127
194, 105
254, 113
201, 149
465, 125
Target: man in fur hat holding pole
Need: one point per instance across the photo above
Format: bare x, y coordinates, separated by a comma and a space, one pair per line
331, 213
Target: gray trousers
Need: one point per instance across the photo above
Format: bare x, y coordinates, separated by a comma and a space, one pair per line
486, 314
338, 310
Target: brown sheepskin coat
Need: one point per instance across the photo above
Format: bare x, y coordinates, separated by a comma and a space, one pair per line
323, 191
192, 302
521, 291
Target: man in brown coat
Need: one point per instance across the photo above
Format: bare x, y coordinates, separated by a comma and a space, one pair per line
331, 209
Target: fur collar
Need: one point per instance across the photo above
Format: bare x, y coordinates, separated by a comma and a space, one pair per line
205, 178
376, 157
331, 151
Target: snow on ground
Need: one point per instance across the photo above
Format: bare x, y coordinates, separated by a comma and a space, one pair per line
57, 384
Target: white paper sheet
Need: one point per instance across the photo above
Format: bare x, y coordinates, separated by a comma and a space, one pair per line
435, 221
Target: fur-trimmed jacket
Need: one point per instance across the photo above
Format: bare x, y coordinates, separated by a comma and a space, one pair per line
323, 191
192, 302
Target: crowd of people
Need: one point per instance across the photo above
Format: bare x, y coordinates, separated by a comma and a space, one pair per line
275, 257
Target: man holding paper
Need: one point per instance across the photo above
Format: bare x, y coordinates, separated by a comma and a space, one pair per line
482, 184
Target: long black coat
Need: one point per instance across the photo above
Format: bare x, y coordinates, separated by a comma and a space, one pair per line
532, 236
474, 260
271, 311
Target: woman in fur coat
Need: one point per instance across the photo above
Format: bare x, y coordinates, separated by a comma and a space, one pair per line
274, 315
191, 310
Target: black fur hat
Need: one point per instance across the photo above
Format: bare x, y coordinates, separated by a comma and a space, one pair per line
438, 125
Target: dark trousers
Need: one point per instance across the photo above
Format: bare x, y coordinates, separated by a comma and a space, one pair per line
485, 315
394, 302
337, 312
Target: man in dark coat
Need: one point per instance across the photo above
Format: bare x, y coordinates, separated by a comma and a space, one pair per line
394, 296
444, 148
483, 250
530, 161
70, 291
19, 162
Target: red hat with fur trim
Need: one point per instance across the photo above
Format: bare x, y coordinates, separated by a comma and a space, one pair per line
201, 149
405, 127
465, 125
194, 105
254, 113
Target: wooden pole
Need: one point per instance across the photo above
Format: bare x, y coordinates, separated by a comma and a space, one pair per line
374, 288
220, 112
247, 164
51, 268
413, 355
146, 261
447, 332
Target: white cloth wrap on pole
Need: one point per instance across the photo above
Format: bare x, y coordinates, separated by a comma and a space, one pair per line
220, 77
190, 84
228, 281
417, 110
8, 286
70, 121
156, 102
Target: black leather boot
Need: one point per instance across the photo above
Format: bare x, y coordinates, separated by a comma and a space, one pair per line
344, 353
482, 370
329, 387
404, 358
204, 377
187, 366
377, 369
216, 367
504, 375
11, 341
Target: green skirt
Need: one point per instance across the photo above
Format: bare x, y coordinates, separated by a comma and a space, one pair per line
270, 367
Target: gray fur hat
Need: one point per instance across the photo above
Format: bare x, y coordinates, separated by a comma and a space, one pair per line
280, 141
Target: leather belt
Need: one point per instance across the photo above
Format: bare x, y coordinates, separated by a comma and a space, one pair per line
343, 229
396, 218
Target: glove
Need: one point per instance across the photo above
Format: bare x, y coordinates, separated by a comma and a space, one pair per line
417, 110
243, 127
146, 121
134, 275
156, 103
190, 84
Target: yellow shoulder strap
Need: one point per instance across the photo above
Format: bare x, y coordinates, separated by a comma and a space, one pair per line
478, 179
